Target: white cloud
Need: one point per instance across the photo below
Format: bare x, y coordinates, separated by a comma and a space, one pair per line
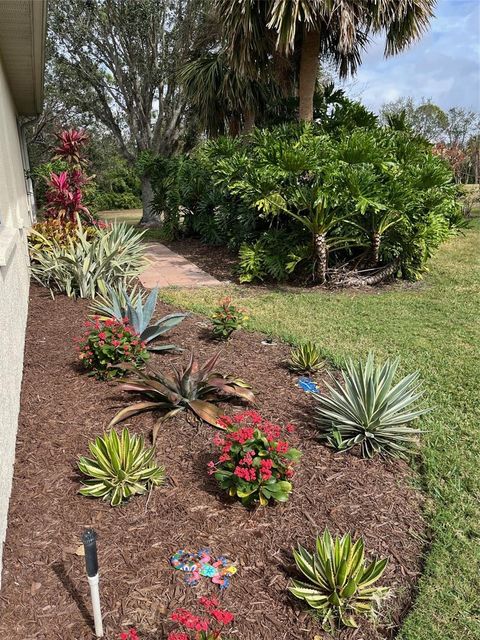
443, 66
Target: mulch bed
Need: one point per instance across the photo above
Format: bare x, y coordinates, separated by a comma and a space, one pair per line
44, 593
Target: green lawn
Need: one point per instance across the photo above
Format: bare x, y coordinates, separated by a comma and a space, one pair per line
434, 327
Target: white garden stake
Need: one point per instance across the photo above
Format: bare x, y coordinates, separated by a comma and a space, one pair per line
89, 539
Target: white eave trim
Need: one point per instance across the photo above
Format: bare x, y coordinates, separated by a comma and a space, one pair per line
39, 30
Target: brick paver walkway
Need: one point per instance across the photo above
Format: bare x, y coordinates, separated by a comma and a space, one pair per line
168, 269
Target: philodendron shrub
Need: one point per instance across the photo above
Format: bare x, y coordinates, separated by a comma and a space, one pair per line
255, 462
317, 202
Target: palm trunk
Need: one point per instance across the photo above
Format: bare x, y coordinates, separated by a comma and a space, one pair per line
147, 196
308, 73
234, 126
320, 243
248, 121
375, 248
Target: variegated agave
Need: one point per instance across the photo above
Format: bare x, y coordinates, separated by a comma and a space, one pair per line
306, 358
194, 388
369, 410
120, 467
120, 303
340, 584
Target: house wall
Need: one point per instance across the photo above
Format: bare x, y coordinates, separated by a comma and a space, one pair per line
15, 218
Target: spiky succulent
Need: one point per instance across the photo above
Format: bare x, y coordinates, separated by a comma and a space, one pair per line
119, 303
192, 387
339, 582
369, 410
306, 358
120, 467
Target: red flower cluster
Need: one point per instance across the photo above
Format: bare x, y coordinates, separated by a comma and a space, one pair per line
189, 620
131, 634
108, 342
204, 628
252, 453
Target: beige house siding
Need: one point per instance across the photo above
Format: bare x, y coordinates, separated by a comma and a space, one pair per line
15, 218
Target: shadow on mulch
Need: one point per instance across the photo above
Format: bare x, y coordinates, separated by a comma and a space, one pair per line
62, 411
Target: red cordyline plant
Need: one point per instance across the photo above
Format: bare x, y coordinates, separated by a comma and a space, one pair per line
64, 193
70, 147
208, 627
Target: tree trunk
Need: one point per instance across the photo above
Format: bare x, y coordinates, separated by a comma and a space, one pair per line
321, 258
248, 121
234, 127
308, 73
375, 249
147, 196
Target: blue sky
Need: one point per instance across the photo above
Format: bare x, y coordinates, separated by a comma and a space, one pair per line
444, 65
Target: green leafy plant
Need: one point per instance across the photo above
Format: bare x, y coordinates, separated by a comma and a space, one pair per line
119, 303
339, 583
120, 467
254, 463
193, 388
369, 410
227, 318
106, 343
306, 358
85, 265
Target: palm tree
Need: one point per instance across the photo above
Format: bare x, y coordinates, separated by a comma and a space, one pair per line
309, 29
222, 97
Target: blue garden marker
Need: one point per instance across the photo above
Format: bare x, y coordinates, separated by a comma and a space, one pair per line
89, 539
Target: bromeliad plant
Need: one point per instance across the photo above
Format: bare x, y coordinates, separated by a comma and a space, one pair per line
306, 358
120, 467
339, 584
206, 627
119, 303
254, 465
371, 411
227, 318
194, 388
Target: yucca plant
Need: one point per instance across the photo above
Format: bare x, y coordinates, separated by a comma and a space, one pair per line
120, 467
306, 358
85, 265
371, 411
193, 387
340, 583
120, 303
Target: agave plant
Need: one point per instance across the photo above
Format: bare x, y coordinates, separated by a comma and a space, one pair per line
194, 388
306, 358
120, 468
86, 264
118, 303
340, 584
371, 411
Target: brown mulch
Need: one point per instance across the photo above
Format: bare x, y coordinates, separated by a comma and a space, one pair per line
44, 592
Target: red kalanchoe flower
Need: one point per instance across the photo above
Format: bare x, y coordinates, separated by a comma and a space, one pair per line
222, 616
